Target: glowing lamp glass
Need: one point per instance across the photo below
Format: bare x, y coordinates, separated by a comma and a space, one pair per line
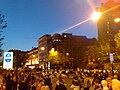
96, 15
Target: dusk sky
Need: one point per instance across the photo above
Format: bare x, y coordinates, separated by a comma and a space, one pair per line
28, 20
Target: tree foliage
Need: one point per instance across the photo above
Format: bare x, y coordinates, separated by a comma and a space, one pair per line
97, 53
117, 44
3, 24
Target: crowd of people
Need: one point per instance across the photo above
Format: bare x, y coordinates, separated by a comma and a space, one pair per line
17, 80
21, 80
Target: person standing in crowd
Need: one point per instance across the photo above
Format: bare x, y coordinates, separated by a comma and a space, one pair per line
39, 85
2, 86
60, 85
109, 81
75, 84
22, 85
40, 82
104, 84
115, 83
45, 88
33, 85
87, 82
96, 77
14, 83
98, 85
27, 83
47, 81
7, 80
81, 79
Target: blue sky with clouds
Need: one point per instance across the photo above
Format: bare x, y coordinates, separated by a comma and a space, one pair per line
28, 20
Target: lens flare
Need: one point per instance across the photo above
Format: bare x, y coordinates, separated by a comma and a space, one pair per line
96, 15
75, 25
99, 14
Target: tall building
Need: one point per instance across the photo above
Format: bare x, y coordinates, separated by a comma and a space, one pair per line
68, 50
43, 50
109, 23
109, 27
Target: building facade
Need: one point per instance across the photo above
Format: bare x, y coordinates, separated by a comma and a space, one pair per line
31, 58
64, 50
109, 27
109, 22
18, 58
43, 50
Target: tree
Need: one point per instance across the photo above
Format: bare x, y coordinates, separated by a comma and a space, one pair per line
3, 24
117, 44
98, 53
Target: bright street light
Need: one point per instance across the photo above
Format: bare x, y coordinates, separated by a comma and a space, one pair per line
96, 16
53, 52
67, 54
117, 20
42, 48
33, 55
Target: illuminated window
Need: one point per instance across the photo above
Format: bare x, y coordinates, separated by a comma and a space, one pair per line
56, 40
65, 35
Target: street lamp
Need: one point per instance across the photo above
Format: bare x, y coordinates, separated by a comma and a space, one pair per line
53, 52
67, 54
117, 20
42, 48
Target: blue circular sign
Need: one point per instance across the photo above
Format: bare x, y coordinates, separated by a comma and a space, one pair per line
8, 55
7, 60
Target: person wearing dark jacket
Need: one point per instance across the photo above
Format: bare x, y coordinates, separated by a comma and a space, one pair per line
22, 85
14, 83
47, 81
60, 85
